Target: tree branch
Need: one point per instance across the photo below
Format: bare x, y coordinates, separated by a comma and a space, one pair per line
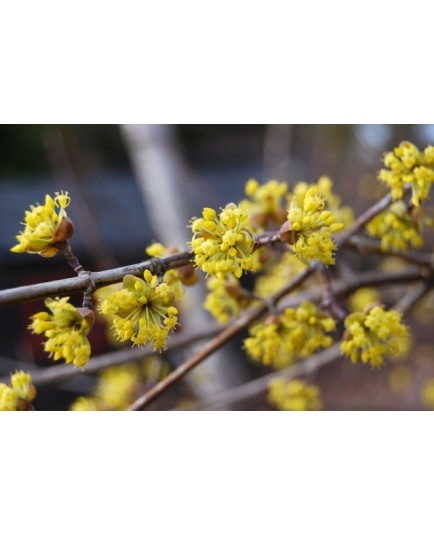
59, 373
98, 279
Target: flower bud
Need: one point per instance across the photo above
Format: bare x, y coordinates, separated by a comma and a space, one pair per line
285, 233
64, 230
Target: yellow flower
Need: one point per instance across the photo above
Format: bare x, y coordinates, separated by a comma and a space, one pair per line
343, 214
226, 298
8, 398
361, 298
265, 204
427, 394
400, 379
86, 403
296, 333
311, 227
374, 333
293, 395
117, 386
278, 275
142, 310
45, 227
223, 244
397, 228
19, 394
66, 330
406, 165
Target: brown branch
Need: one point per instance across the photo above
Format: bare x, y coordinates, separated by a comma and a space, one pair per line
98, 279
372, 245
58, 373
256, 387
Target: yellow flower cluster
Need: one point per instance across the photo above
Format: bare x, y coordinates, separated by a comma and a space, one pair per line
223, 244
343, 214
397, 228
185, 275
19, 394
295, 333
279, 273
66, 330
293, 395
362, 297
117, 387
370, 335
226, 298
45, 227
311, 227
265, 204
115, 390
427, 394
406, 165
142, 310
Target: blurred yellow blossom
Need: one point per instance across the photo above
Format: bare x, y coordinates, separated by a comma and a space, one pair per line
296, 333
19, 394
118, 386
397, 228
406, 165
293, 395
362, 297
226, 298
266, 204
400, 379
278, 274
427, 394
370, 335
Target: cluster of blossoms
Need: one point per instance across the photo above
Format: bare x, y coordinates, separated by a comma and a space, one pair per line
223, 244
310, 227
397, 227
293, 395
44, 227
406, 165
278, 274
372, 334
266, 203
117, 387
66, 330
343, 214
295, 333
142, 310
226, 298
362, 298
19, 394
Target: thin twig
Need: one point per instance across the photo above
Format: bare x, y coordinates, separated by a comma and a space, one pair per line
59, 373
256, 387
372, 245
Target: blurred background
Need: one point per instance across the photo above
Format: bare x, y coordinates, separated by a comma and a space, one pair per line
135, 184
